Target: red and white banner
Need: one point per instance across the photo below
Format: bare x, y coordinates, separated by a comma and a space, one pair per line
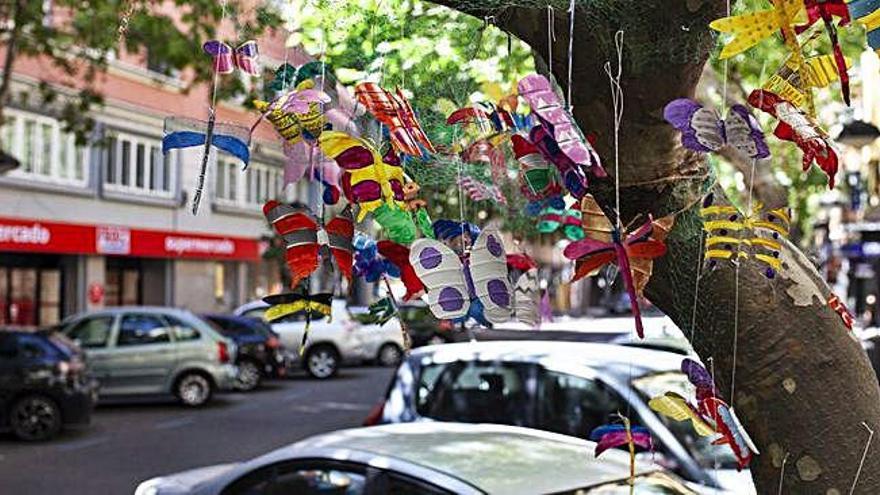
37, 236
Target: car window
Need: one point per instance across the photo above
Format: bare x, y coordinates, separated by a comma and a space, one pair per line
232, 328
92, 332
573, 405
281, 479
648, 484
183, 331
478, 392
299, 317
257, 313
142, 329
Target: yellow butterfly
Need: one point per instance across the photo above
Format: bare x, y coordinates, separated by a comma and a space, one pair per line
676, 407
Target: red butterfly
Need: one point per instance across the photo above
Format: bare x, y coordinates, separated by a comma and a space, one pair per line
304, 238
592, 253
827, 10
394, 111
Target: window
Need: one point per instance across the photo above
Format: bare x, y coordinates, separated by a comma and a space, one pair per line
142, 329
92, 332
305, 480
573, 405
183, 331
136, 164
254, 186
46, 152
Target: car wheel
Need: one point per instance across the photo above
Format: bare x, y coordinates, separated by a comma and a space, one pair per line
389, 355
193, 389
322, 361
249, 376
35, 418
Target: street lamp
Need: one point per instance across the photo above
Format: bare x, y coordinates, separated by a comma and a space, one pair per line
7, 163
858, 134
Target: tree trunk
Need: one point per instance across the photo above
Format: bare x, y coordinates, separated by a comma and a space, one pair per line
796, 362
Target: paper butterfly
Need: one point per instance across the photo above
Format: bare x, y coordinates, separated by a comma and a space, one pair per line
399, 256
865, 12
185, 133
479, 191
838, 307
394, 111
537, 178
245, 57
712, 408
304, 237
525, 298
616, 435
601, 247
790, 85
367, 262
573, 175
368, 180
485, 152
676, 407
733, 236
476, 287
703, 129
552, 219
296, 115
287, 75
559, 123
799, 128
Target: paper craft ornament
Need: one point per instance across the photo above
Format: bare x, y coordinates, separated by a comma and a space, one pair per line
245, 57
573, 175
367, 262
455, 234
296, 115
867, 13
558, 123
790, 85
418, 207
703, 129
614, 435
733, 236
475, 286
181, 133
304, 238
381, 311
604, 244
478, 191
311, 305
396, 222
484, 152
801, 129
839, 307
569, 220
287, 75
538, 179
526, 298
368, 179
394, 111
399, 256
676, 407
827, 10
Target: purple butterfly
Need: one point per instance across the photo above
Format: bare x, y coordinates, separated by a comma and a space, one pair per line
701, 379
245, 57
705, 131
573, 175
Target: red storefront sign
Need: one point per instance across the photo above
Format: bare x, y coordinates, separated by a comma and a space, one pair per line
37, 236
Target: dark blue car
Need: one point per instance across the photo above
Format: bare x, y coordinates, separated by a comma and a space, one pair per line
260, 353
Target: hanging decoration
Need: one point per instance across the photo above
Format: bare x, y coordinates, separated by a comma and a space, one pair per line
568, 220
490, 155
538, 180
381, 312
620, 434
604, 244
478, 191
296, 115
865, 12
558, 125
394, 111
245, 57
368, 264
456, 234
399, 256
703, 129
839, 307
473, 286
733, 236
677, 408
799, 128
312, 305
418, 208
791, 85
525, 298
304, 238
368, 179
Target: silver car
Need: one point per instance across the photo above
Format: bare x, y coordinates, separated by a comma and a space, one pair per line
152, 350
427, 459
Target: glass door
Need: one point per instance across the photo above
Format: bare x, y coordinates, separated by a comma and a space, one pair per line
50, 297
23, 297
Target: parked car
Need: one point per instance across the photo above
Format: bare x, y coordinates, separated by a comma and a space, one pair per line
334, 341
562, 387
260, 353
426, 459
44, 385
151, 350
424, 328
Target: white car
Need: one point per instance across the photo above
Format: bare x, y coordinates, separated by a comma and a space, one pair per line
428, 459
333, 341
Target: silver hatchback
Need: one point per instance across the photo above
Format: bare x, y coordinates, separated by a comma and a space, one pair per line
153, 350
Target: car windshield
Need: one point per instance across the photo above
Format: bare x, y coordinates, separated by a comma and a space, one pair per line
701, 449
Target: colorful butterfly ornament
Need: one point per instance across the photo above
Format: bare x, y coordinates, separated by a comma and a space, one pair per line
526, 295
367, 262
296, 115
395, 112
538, 180
827, 10
304, 239
480, 191
245, 57
312, 305
703, 129
620, 434
398, 254
733, 236
568, 220
839, 307
799, 128
604, 244
560, 133
473, 286
791, 85
714, 409
181, 133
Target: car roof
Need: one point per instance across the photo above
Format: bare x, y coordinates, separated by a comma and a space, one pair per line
494, 458
616, 359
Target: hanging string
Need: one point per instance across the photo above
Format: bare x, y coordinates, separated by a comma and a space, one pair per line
782, 473
726, 64
617, 103
551, 37
571, 9
852, 489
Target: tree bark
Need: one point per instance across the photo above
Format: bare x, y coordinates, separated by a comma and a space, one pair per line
803, 386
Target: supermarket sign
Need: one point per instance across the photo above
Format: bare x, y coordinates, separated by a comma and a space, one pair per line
37, 236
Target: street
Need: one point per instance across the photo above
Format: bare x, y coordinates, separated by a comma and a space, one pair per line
131, 441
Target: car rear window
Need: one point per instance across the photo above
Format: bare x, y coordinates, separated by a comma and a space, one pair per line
230, 327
